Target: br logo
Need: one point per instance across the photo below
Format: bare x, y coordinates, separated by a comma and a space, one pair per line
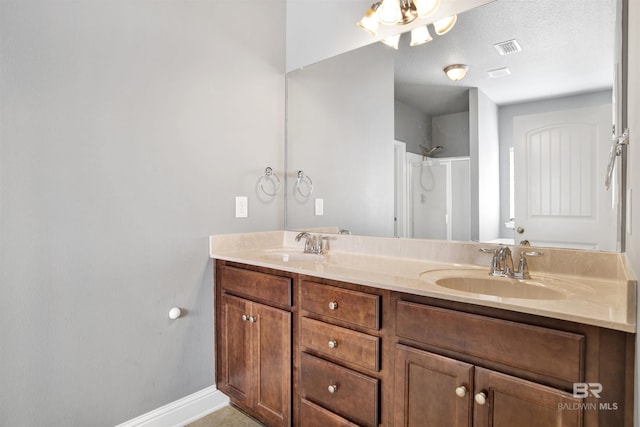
582, 390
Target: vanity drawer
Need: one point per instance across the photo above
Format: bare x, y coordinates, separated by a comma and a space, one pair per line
357, 308
542, 351
255, 285
341, 343
355, 396
312, 415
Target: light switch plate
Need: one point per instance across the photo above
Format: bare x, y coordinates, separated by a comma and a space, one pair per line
242, 206
319, 207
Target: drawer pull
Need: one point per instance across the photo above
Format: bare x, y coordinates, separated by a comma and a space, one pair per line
332, 344
333, 305
481, 398
461, 391
332, 388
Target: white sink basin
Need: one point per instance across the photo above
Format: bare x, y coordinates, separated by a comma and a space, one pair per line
501, 287
480, 282
292, 256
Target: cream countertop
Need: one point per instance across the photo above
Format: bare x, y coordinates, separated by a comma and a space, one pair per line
594, 288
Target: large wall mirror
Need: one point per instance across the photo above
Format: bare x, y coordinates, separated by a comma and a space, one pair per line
380, 142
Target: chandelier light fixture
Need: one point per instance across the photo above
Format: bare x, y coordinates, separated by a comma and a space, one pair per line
420, 35
402, 12
445, 25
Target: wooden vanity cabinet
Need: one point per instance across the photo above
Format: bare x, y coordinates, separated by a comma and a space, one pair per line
489, 367
254, 343
432, 390
342, 374
298, 350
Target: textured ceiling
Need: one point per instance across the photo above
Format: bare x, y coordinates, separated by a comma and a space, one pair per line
567, 48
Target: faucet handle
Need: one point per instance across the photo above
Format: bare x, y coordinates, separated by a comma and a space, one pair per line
523, 267
323, 245
488, 251
495, 261
532, 253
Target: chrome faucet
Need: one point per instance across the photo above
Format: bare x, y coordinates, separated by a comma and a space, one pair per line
309, 244
502, 263
314, 244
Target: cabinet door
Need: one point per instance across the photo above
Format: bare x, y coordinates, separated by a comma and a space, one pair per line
235, 348
512, 402
431, 390
271, 337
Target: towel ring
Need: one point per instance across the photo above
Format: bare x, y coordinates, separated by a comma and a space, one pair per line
269, 175
302, 178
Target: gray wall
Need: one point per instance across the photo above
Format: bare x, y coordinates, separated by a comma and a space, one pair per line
127, 128
412, 127
452, 132
506, 115
340, 133
484, 152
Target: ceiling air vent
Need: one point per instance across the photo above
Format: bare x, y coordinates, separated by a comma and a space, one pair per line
500, 72
508, 47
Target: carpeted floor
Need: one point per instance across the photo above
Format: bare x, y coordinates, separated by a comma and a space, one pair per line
227, 416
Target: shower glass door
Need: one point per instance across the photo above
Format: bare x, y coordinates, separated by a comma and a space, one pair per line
439, 199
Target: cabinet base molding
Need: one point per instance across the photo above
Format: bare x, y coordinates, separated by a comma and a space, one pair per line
182, 411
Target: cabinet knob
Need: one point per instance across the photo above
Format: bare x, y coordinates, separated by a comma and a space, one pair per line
481, 398
461, 391
253, 319
245, 317
332, 344
333, 305
332, 388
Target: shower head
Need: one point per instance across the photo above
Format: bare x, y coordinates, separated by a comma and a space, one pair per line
429, 151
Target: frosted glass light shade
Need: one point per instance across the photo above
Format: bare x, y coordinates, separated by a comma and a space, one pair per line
426, 7
456, 72
389, 12
444, 25
392, 41
370, 22
420, 35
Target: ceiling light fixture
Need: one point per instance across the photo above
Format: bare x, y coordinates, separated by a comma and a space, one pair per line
402, 12
370, 21
396, 12
426, 8
389, 12
445, 25
392, 41
420, 35
456, 72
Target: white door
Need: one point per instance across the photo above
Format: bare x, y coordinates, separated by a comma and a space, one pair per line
400, 188
560, 163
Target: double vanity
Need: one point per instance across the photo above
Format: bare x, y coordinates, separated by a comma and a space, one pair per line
406, 332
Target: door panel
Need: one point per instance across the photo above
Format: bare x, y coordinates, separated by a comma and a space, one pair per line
271, 336
236, 347
514, 402
425, 389
559, 173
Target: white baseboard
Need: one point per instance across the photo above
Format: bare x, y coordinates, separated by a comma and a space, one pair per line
182, 411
